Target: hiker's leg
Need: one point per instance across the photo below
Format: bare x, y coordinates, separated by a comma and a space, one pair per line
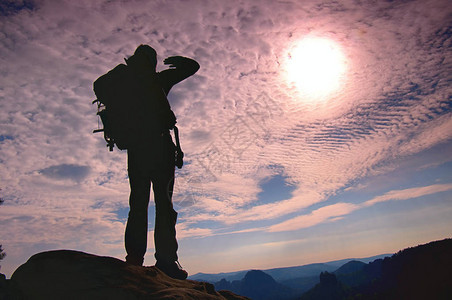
137, 222
165, 217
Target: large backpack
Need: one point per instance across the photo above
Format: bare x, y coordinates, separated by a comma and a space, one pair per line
131, 108
116, 108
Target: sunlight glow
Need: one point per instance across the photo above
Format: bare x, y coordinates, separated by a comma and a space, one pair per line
316, 66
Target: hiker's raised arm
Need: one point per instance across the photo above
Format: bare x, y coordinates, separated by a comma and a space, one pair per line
180, 68
182, 64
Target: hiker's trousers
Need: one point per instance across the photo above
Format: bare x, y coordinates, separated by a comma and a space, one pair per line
151, 161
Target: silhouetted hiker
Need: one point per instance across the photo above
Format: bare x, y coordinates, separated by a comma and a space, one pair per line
152, 159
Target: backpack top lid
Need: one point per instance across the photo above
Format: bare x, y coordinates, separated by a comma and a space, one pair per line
118, 109
107, 85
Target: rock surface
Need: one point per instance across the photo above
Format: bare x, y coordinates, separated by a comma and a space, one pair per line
66, 274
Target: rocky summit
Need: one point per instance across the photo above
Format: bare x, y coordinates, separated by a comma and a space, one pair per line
66, 274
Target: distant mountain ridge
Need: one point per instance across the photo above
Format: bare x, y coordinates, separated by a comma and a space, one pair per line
257, 285
285, 273
350, 267
279, 283
421, 272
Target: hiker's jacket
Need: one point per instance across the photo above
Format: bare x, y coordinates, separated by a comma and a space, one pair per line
153, 87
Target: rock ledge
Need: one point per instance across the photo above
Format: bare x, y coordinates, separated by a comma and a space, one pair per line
67, 274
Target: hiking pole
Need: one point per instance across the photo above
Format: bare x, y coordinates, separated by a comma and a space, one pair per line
179, 153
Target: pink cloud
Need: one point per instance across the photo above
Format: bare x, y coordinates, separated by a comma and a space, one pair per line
335, 212
321, 215
410, 193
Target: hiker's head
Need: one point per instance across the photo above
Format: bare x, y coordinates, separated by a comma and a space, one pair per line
148, 52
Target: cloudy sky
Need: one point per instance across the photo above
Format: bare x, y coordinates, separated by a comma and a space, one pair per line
314, 130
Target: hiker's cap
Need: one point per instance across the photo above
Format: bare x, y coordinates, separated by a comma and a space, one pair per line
148, 51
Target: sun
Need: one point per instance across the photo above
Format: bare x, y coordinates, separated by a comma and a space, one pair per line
316, 66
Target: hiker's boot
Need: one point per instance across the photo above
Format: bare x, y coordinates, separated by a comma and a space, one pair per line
134, 260
172, 269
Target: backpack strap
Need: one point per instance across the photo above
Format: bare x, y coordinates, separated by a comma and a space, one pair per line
179, 153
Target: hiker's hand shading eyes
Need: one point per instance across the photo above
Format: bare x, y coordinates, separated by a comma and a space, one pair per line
174, 61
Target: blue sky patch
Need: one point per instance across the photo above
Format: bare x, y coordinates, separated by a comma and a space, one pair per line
13, 7
274, 189
5, 137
